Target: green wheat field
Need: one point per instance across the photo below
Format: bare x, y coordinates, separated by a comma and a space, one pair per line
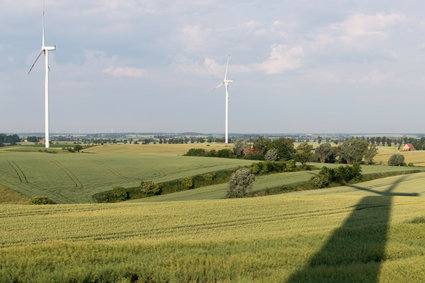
368, 232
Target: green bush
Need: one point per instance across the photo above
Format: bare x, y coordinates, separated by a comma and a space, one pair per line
396, 160
120, 193
41, 200
208, 177
320, 181
268, 167
340, 175
187, 183
240, 183
149, 188
196, 152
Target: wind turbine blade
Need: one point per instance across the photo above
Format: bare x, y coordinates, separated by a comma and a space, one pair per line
227, 67
218, 86
42, 27
32, 66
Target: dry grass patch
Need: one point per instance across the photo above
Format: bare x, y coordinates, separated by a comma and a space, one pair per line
416, 157
8, 196
155, 149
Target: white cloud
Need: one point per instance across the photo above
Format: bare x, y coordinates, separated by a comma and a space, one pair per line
282, 58
124, 72
194, 38
358, 26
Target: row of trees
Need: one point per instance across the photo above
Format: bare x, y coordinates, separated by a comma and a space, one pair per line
282, 149
242, 180
9, 139
351, 151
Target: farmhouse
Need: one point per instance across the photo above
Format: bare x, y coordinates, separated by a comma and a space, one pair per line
408, 147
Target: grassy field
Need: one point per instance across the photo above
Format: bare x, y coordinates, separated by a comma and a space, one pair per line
29, 148
261, 183
370, 232
74, 178
11, 197
155, 149
416, 157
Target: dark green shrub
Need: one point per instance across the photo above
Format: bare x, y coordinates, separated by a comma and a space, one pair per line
345, 174
396, 160
196, 152
41, 200
226, 153
211, 153
120, 193
208, 177
320, 181
187, 183
340, 175
149, 188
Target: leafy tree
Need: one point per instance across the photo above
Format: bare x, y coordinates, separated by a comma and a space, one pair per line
353, 150
285, 148
370, 153
341, 175
196, 152
240, 144
227, 153
78, 147
240, 183
261, 145
33, 139
149, 188
304, 152
120, 193
325, 153
271, 155
396, 160
187, 183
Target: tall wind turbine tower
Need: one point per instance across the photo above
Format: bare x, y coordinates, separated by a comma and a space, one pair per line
45, 50
226, 83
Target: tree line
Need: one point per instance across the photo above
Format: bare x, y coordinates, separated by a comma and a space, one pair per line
283, 149
9, 139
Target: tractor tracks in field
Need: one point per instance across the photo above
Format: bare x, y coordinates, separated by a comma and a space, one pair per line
72, 177
199, 227
19, 172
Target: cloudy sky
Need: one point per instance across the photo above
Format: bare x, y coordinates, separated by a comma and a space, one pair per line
150, 65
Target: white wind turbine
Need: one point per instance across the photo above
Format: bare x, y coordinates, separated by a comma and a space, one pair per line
226, 83
45, 49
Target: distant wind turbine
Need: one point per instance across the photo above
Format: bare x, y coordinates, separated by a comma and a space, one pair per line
45, 50
226, 83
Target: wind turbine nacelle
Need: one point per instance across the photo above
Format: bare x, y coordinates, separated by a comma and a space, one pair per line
49, 48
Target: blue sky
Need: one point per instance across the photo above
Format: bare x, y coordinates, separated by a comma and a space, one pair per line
149, 65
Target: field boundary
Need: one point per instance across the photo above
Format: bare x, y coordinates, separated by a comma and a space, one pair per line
305, 186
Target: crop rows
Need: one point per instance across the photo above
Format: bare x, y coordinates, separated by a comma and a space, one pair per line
268, 239
74, 178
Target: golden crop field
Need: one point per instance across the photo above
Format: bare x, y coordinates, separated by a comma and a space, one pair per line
416, 157
368, 232
155, 149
